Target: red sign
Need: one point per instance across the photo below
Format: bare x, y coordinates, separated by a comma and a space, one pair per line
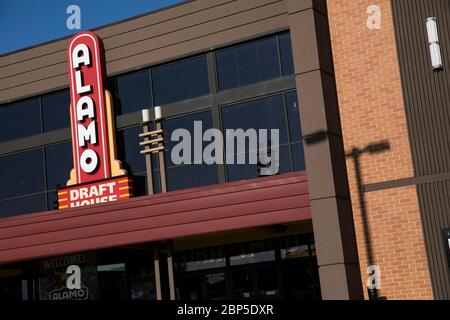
89, 127
97, 175
93, 193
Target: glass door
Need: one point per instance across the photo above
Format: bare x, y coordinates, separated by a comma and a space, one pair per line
203, 286
256, 282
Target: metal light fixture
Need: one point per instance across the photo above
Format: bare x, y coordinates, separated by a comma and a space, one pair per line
153, 143
145, 116
433, 41
158, 114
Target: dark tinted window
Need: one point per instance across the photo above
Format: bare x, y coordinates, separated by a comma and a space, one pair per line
266, 113
52, 200
252, 252
55, 110
181, 80
248, 171
132, 92
286, 54
22, 205
129, 150
22, 173
293, 112
20, 119
188, 175
298, 157
134, 162
295, 131
249, 63
58, 160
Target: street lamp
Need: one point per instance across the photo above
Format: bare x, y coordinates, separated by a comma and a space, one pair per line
153, 143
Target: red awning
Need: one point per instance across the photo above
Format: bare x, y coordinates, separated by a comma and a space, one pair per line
235, 205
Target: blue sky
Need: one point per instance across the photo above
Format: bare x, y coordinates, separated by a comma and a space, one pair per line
24, 23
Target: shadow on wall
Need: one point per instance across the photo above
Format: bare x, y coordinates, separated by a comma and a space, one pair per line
355, 154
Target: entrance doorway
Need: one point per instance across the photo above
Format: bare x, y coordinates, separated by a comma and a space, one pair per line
281, 268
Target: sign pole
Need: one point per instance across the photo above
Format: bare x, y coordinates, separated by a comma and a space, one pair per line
157, 274
170, 271
162, 164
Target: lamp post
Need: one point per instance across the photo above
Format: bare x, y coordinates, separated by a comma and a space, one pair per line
154, 143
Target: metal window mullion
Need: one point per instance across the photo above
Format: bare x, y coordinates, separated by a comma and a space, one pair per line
215, 112
212, 72
41, 113
288, 131
44, 163
152, 92
22, 196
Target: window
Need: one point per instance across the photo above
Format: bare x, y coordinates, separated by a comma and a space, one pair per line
128, 150
278, 268
266, 113
20, 119
22, 174
298, 255
107, 274
132, 92
298, 157
249, 63
252, 252
188, 175
56, 110
201, 259
295, 131
58, 162
286, 54
30, 187
180, 80
22, 205
215, 286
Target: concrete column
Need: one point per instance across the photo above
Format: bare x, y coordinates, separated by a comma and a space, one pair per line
337, 255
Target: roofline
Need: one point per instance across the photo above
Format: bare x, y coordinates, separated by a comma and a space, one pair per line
182, 2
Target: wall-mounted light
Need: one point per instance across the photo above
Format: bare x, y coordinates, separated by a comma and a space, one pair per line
158, 114
145, 116
433, 41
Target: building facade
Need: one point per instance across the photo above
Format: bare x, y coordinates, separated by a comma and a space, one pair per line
364, 157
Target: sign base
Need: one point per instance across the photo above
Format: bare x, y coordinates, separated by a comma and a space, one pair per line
101, 191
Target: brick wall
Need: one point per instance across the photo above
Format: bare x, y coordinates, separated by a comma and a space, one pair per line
371, 109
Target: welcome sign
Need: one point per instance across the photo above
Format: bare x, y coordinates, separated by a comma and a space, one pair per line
53, 277
97, 176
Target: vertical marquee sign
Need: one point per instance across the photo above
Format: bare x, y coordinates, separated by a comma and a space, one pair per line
97, 175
